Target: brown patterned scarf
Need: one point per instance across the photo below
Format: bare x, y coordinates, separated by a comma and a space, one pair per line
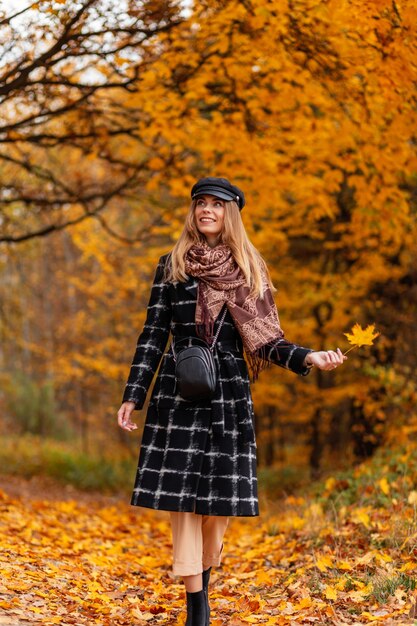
221, 280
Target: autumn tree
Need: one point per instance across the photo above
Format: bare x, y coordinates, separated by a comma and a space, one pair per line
62, 65
308, 105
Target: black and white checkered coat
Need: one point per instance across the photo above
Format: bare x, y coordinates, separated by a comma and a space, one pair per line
196, 456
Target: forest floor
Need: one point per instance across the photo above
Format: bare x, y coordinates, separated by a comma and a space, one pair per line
345, 554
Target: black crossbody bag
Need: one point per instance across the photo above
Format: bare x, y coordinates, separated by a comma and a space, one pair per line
195, 368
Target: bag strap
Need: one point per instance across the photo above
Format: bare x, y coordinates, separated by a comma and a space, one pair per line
216, 336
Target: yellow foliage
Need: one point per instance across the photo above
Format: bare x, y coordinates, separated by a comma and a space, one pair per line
310, 107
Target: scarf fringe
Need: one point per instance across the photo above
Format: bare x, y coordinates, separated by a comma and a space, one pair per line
257, 362
205, 330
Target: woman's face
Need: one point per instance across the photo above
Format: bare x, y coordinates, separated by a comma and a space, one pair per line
209, 216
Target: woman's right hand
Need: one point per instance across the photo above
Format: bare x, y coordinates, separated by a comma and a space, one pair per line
123, 416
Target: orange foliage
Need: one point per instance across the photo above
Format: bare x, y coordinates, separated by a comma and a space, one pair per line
310, 107
346, 556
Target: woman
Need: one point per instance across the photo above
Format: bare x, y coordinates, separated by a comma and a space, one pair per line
198, 459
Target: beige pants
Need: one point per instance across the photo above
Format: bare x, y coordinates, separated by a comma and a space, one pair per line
197, 541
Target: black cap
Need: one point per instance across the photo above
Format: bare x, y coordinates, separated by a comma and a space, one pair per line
219, 187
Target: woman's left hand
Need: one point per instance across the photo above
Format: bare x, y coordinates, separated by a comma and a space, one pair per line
325, 359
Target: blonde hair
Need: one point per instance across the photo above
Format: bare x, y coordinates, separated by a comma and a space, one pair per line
234, 235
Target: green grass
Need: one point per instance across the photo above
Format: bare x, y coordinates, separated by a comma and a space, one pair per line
29, 455
282, 480
386, 586
360, 485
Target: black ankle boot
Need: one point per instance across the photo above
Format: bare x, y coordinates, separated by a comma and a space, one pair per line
206, 578
196, 608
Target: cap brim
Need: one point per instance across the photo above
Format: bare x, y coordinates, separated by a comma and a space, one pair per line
216, 191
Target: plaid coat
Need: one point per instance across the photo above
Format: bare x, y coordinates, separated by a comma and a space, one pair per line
196, 456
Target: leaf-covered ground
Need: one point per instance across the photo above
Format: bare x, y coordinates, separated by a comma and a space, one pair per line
346, 554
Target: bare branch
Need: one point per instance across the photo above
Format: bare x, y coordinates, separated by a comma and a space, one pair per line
56, 108
8, 19
46, 230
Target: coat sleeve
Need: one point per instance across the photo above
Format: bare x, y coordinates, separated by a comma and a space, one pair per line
151, 342
289, 355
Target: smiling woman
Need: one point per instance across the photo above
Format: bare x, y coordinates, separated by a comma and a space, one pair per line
198, 458
209, 215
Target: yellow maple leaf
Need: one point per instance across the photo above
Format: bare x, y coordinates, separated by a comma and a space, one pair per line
384, 485
324, 562
330, 593
407, 567
330, 483
361, 336
360, 516
360, 594
344, 565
